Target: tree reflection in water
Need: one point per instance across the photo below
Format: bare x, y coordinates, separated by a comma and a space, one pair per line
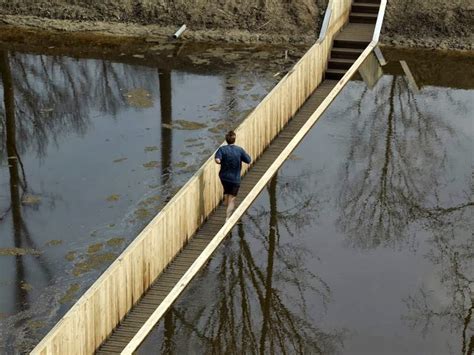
393, 179
45, 99
257, 304
452, 252
22, 238
55, 96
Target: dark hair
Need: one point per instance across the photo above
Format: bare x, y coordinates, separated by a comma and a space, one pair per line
230, 137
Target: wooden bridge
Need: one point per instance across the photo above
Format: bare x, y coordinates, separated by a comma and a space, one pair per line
120, 309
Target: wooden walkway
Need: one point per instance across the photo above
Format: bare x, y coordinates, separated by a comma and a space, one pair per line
348, 45
163, 285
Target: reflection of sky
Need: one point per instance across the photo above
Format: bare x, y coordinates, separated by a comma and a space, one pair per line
75, 173
367, 285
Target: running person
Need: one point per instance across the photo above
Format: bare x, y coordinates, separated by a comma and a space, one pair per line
230, 157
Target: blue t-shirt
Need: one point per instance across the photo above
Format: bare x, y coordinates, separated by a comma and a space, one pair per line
231, 157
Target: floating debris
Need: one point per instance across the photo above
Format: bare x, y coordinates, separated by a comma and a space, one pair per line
139, 98
151, 164
188, 125
166, 125
54, 242
150, 200
25, 286
115, 242
113, 198
151, 149
30, 200
70, 256
18, 252
94, 248
142, 214
93, 262
198, 61
37, 324
294, 157
119, 160
196, 145
70, 293
139, 56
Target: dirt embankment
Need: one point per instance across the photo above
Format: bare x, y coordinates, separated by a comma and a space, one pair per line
430, 23
273, 20
408, 23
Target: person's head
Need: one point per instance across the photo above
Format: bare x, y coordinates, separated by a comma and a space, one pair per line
230, 137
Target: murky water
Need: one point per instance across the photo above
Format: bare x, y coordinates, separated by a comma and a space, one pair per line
91, 149
362, 243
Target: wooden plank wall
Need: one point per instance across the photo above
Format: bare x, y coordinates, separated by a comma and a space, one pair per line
91, 320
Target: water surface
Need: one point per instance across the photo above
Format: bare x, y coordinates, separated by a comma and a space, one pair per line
92, 146
362, 243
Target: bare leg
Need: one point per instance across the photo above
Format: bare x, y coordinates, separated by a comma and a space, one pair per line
230, 205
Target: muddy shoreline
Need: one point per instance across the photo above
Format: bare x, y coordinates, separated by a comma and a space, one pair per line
16, 28
150, 33
436, 24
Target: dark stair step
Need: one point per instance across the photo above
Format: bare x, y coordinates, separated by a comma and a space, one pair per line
338, 43
358, 17
335, 74
347, 53
340, 63
365, 8
366, 2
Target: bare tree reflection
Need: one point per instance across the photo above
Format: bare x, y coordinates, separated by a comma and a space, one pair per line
45, 99
452, 254
393, 179
396, 160
18, 188
260, 286
55, 96
166, 104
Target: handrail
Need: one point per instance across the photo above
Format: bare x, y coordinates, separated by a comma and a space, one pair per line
379, 23
240, 210
325, 25
228, 225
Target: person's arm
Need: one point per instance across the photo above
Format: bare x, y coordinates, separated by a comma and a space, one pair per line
218, 156
245, 157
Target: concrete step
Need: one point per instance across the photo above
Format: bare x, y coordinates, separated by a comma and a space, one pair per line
340, 63
335, 74
359, 17
365, 8
347, 53
338, 43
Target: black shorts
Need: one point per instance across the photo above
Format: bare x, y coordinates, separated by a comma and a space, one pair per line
230, 188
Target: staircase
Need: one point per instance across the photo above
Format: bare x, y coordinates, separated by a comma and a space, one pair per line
354, 38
